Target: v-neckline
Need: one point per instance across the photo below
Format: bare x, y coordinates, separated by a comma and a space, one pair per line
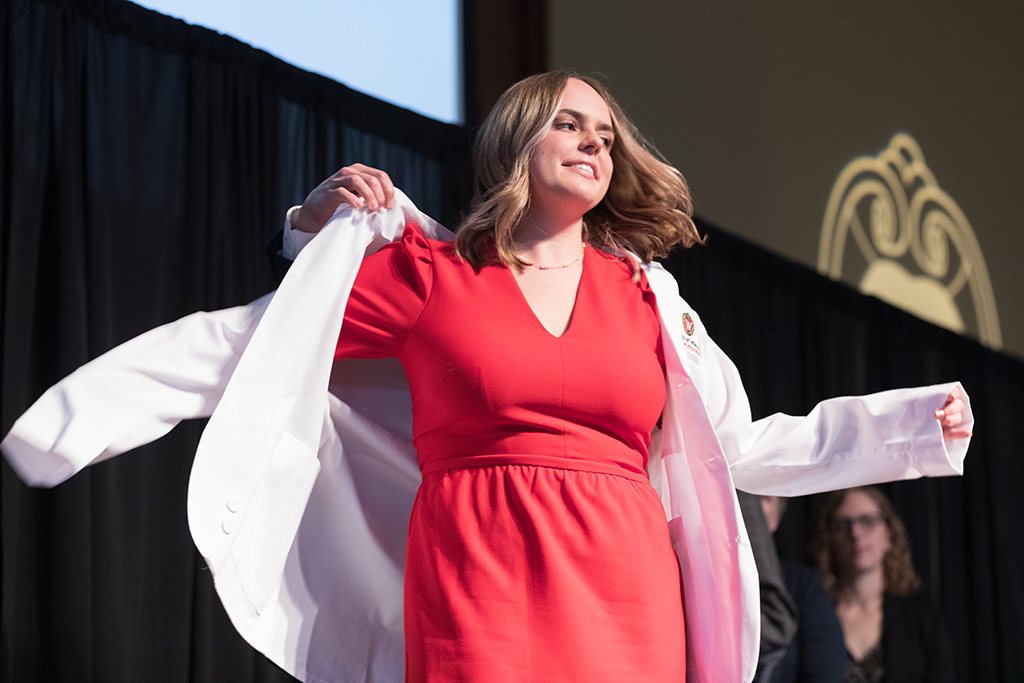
575, 301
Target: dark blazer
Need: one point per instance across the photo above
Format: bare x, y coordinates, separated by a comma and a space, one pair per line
818, 652
778, 611
917, 649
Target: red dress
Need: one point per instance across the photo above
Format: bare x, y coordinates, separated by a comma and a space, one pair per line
537, 549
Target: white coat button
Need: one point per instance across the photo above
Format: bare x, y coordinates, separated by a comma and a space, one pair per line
232, 505
225, 526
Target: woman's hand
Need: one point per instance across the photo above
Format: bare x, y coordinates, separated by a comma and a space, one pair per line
357, 185
950, 415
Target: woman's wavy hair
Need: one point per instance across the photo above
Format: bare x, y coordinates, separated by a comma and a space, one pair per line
647, 209
897, 566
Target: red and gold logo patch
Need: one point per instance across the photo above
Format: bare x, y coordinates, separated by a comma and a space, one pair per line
688, 324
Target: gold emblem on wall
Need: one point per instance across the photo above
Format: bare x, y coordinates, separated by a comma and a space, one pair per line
912, 245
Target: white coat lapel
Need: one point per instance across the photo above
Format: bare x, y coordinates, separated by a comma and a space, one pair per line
274, 407
719, 576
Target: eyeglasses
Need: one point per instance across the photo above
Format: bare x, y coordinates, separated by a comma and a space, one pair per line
845, 524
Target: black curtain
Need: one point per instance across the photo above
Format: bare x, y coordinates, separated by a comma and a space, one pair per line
798, 338
144, 163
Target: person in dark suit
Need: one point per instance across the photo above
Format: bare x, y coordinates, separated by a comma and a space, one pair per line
778, 610
817, 653
891, 632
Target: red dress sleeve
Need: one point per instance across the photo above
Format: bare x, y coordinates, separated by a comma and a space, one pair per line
390, 291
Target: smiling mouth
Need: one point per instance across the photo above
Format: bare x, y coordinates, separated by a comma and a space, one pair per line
585, 169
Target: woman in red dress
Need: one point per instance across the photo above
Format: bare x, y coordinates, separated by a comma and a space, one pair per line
538, 549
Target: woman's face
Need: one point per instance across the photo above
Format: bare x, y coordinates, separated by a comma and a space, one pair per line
860, 536
572, 166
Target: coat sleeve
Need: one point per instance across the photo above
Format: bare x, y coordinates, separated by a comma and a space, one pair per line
131, 395
843, 442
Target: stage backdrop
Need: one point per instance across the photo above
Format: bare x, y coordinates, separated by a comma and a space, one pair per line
797, 338
766, 105
143, 166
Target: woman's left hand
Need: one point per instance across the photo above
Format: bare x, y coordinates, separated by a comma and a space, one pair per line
950, 415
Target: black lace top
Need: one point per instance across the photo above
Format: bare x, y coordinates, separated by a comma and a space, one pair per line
871, 669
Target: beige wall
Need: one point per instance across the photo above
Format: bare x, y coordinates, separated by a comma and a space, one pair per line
761, 105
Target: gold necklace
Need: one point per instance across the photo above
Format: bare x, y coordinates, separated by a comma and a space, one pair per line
564, 265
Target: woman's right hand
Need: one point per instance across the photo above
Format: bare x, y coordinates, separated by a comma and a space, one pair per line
357, 185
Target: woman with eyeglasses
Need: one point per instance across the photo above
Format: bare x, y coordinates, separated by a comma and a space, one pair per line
891, 632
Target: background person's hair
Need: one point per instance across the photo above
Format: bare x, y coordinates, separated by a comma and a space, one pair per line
647, 209
898, 567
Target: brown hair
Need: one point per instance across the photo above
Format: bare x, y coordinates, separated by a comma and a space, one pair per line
647, 209
898, 567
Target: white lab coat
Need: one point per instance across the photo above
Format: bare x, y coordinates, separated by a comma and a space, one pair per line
300, 497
